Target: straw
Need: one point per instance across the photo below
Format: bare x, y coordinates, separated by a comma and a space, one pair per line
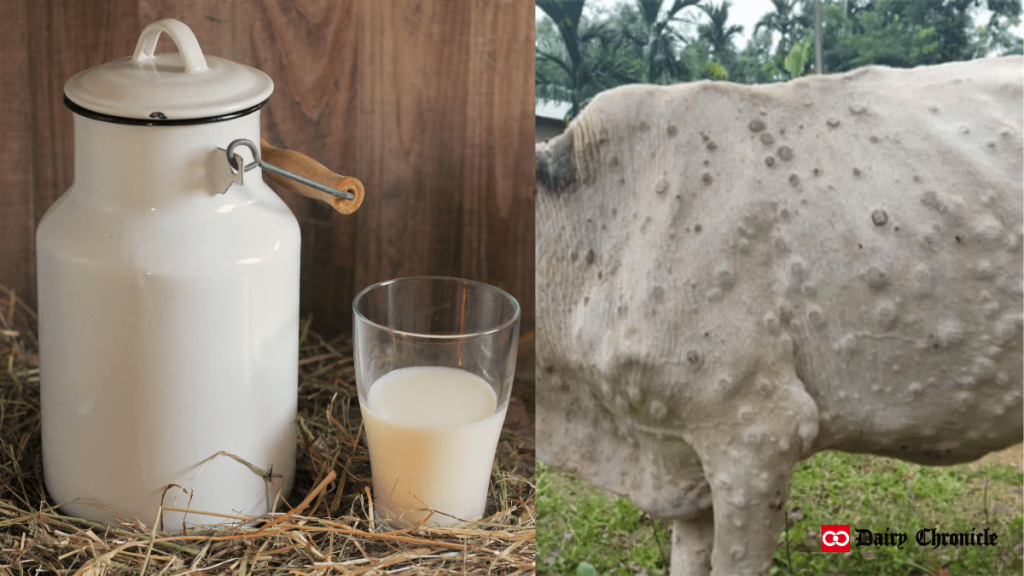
327, 529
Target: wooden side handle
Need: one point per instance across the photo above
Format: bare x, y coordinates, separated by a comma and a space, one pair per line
308, 168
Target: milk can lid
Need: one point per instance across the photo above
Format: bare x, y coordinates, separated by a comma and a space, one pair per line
172, 88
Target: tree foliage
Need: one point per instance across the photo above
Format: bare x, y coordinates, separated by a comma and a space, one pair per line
795, 62
581, 60
718, 33
658, 39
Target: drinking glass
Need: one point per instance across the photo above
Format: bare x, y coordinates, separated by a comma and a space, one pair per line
435, 359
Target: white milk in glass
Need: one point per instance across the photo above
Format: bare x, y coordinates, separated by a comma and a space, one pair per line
432, 433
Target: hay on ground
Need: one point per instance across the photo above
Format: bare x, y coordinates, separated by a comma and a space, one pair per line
327, 527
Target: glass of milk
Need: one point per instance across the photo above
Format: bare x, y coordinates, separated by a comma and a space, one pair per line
435, 359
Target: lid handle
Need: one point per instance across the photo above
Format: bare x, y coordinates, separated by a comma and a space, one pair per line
183, 38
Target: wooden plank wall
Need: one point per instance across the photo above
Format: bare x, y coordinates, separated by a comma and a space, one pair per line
428, 102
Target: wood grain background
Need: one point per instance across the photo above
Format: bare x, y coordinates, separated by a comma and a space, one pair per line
428, 102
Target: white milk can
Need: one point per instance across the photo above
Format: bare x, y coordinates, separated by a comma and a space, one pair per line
168, 297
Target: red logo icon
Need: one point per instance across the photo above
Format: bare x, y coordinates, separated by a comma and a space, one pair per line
835, 537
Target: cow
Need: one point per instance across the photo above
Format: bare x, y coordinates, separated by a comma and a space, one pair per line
732, 278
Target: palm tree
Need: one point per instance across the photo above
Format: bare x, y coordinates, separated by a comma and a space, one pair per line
586, 61
782, 20
566, 16
717, 33
658, 39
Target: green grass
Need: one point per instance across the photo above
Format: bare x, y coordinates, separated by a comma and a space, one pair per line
583, 531
578, 527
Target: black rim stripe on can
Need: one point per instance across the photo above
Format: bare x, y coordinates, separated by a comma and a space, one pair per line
156, 120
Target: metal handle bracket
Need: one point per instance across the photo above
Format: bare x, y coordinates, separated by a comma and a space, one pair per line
234, 160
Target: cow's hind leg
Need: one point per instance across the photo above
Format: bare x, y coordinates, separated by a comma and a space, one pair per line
692, 542
748, 459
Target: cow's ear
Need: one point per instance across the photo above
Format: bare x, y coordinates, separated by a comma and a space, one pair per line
556, 164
